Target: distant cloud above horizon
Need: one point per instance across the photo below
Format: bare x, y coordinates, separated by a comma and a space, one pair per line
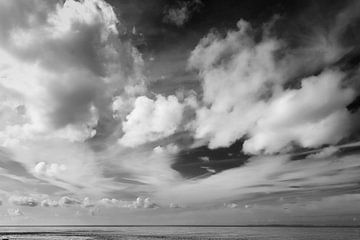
166, 112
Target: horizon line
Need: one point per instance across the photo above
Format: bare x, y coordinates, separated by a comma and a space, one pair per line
185, 225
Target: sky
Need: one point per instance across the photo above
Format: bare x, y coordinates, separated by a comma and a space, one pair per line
179, 112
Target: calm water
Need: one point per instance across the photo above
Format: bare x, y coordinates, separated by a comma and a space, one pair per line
137, 233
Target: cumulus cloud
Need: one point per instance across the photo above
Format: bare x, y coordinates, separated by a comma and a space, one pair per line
63, 64
87, 203
139, 202
151, 120
181, 14
15, 212
237, 75
246, 95
300, 116
49, 203
66, 201
168, 149
24, 201
49, 170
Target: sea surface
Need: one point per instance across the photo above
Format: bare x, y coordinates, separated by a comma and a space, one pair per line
146, 233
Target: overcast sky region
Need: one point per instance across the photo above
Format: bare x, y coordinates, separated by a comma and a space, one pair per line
180, 112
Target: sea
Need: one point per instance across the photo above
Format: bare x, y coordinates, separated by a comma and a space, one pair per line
179, 232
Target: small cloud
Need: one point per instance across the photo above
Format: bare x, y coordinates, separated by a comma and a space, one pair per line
87, 203
23, 201
107, 202
168, 149
15, 212
49, 169
231, 205
140, 202
182, 13
68, 201
210, 170
49, 203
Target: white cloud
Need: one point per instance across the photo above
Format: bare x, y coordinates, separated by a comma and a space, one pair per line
139, 202
245, 96
49, 170
151, 120
237, 74
15, 212
23, 201
168, 149
68, 201
64, 62
70, 166
231, 205
49, 203
87, 203
301, 116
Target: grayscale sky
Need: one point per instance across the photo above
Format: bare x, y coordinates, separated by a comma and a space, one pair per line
179, 112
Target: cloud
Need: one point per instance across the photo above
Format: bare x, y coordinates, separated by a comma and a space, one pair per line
139, 202
70, 166
87, 203
66, 201
325, 152
276, 176
231, 205
15, 212
49, 203
168, 149
237, 74
181, 14
151, 120
23, 201
49, 170
300, 116
246, 94
63, 63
